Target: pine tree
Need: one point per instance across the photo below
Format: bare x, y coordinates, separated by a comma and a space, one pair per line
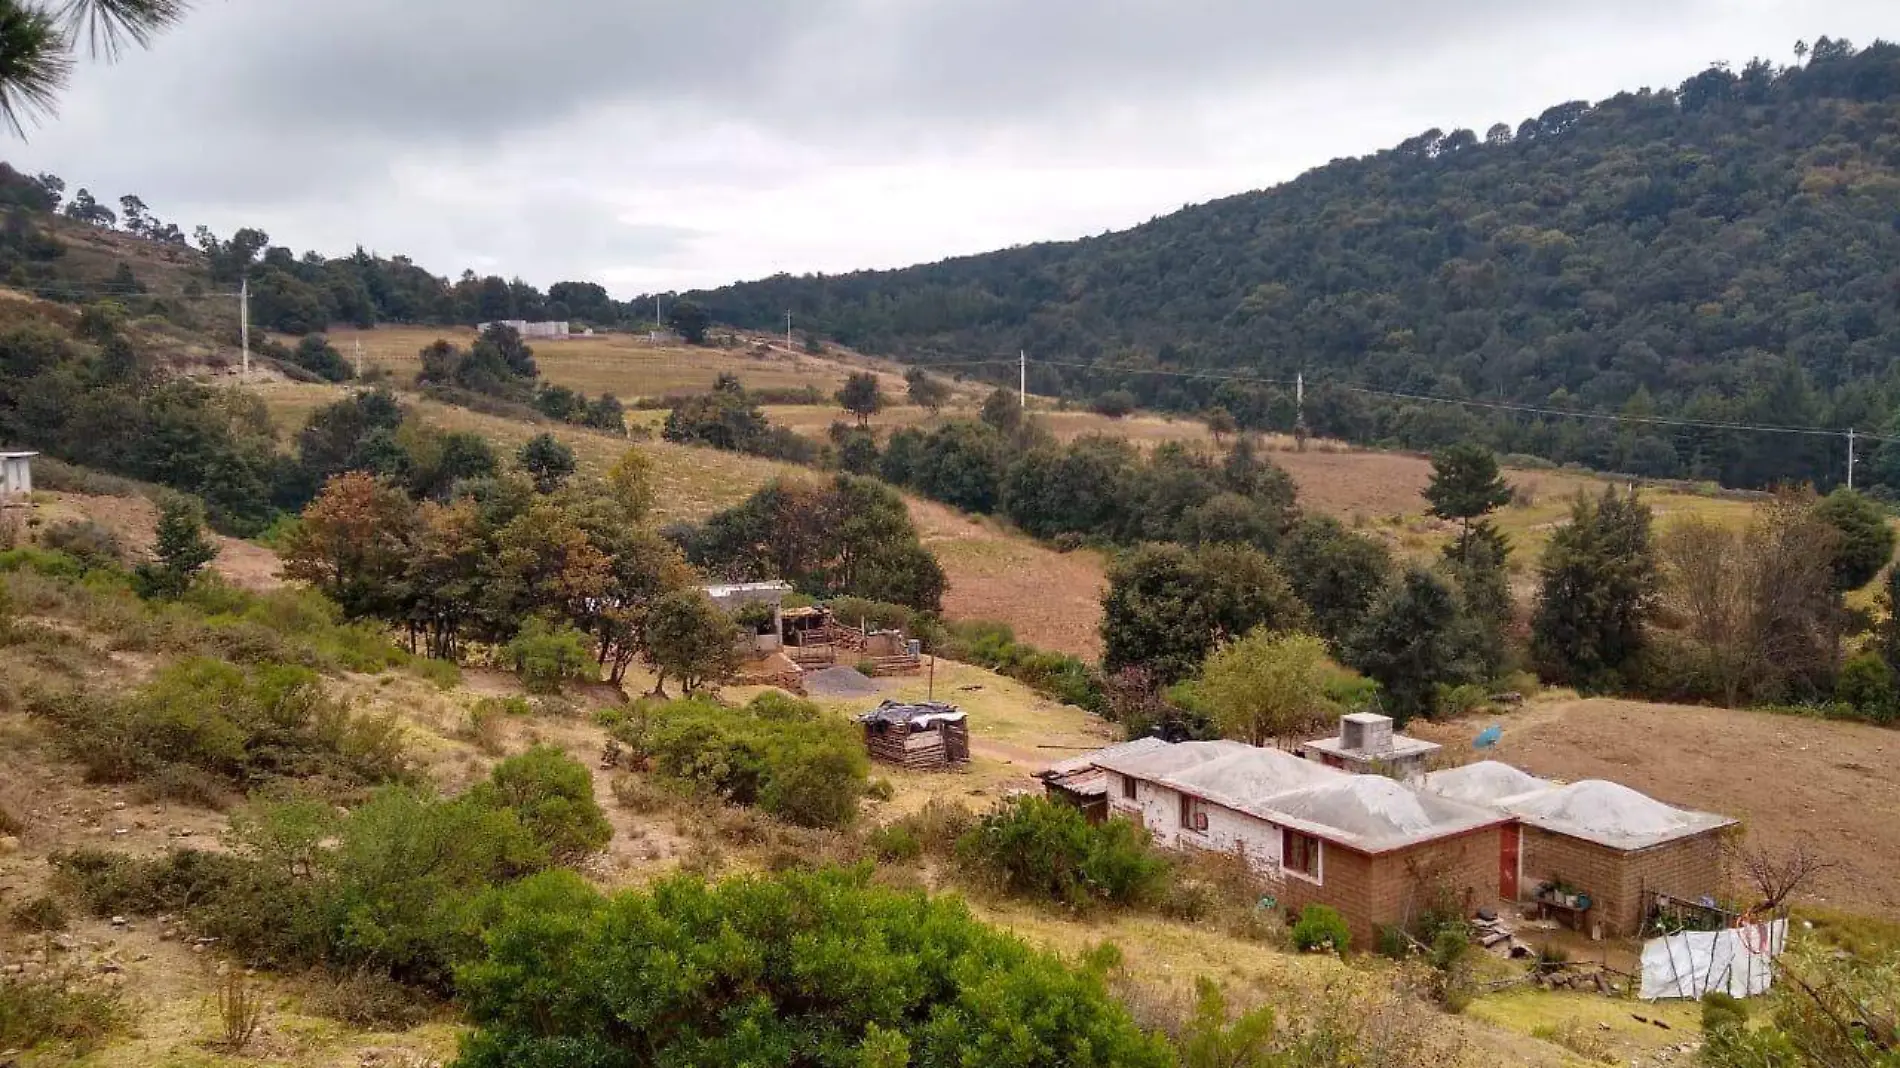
1599, 587
1465, 486
1410, 644
181, 550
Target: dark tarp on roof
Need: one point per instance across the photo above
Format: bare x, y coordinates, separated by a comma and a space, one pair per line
920, 716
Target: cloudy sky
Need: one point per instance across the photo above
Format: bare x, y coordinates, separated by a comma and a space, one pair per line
669, 144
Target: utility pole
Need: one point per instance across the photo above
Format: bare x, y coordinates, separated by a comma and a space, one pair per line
1299, 396
1850, 457
1022, 382
359, 357
788, 330
244, 322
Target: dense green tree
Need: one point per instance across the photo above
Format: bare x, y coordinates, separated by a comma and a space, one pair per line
1865, 545
179, 551
689, 321
961, 463
547, 462
314, 353
927, 391
1598, 588
1337, 573
552, 795
691, 640
1003, 411
1266, 688
725, 418
1167, 606
1409, 643
862, 396
1480, 573
1115, 403
1466, 485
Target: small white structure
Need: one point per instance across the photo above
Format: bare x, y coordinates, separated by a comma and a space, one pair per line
765, 637
553, 330
1738, 961
1366, 743
16, 474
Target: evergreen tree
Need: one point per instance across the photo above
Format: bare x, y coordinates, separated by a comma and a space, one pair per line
1598, 589
1484, 594
1466, 485
1410, 643
548, 462
1866, 541
180, 550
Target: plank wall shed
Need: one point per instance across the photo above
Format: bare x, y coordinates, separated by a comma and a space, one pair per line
16, 474
926, 736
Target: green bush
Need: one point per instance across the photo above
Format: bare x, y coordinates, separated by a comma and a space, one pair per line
1321, 928
1866, 685
553, 797
1035, 847
1055, 675
777, 753
547, 655
896, 843
95, 547
40, 914
795, 968
246, 727
38, 1011
1720, 1010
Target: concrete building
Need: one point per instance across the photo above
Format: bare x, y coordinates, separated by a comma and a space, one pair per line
1081, 783
766, 636
1595, 852
16, 474
554, 330
1365, 845
1367, 743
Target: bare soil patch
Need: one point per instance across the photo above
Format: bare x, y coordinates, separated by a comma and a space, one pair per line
1791, 780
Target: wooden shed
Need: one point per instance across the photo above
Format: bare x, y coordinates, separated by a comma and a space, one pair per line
920, 737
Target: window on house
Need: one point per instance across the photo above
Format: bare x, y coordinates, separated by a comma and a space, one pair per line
1128, 788
1299, 853
1193, 814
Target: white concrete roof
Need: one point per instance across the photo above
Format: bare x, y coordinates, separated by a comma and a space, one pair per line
729, 589
1373, 813
17, 455
1158, 764
1403, 745
1483, 783
1250, 781
1094, 759
1609, 814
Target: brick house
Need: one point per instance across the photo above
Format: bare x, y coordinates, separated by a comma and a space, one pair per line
1365, 845
1604, 840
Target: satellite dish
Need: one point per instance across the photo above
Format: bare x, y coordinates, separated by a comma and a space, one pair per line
1488, 737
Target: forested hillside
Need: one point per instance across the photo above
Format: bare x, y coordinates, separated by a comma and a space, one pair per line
1726, 251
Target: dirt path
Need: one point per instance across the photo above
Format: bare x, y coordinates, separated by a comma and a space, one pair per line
1791, 780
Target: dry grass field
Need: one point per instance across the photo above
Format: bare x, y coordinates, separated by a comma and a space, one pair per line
630, 366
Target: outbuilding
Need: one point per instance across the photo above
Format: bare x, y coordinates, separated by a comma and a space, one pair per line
16, 474
1595, 853
1080, 782
1367, 743
925, 736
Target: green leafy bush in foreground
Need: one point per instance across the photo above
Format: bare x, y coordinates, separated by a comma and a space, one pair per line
1035, 847
817, 969
777, 752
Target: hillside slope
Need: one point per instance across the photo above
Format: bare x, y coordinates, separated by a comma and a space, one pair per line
1723, 251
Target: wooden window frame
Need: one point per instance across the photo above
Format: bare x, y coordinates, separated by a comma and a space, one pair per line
1130, 788
1191, 807
1310, 848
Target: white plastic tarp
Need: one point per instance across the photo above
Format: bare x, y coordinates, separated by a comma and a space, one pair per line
1738, 961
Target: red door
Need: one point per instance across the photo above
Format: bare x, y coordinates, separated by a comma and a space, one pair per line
1509, 841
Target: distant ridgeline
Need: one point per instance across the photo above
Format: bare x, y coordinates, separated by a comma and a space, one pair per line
1727, 251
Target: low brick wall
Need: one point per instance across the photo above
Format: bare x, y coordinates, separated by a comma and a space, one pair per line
1618, 880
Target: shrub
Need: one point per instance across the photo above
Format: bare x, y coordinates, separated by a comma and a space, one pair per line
548, 655
38, 1010
246, 727
1055, 675
1720, 1010
776, 753
95, 547
896, 843
40, 914
1321, 928
1035, 847
780, 969
1866, 684
553, 797
938, 825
